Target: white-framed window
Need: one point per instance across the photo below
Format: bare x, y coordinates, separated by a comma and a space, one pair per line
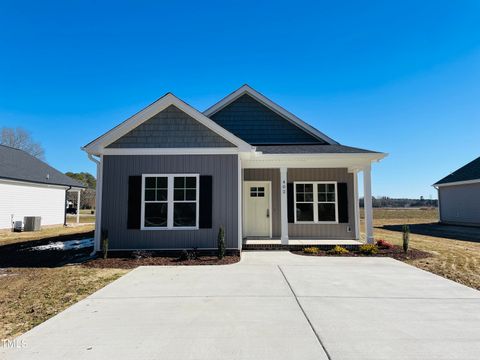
170, 201
316, 202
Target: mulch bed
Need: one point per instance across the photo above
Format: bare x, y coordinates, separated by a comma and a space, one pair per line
131, 262
396, 252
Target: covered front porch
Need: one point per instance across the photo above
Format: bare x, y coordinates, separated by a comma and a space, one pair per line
291, 201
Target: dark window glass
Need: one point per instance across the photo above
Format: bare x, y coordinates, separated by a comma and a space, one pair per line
190, 194
191, 183
326, 212
304, 212
179, 182
304, 192
184, 214
156, 214
150, 182
162, 195
149, 195
179, 195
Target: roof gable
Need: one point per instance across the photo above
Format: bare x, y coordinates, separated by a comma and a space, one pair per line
171, 128
18, 165
471, 171
258, 120
97, 146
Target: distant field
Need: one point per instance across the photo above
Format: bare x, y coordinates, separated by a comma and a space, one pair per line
84, 218
454, 259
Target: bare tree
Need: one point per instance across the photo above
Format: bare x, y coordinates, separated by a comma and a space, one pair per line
21, 139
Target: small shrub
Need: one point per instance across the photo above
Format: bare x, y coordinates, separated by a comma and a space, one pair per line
184, 255
406, 237
311, 250
221, 243
369, 249
104, 236
384, 244
194, 254
337, 250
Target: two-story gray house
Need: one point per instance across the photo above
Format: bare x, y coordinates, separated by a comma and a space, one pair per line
170, 176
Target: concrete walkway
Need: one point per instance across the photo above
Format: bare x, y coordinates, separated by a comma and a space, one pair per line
272, 305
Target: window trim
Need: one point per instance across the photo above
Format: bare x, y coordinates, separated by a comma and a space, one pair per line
315, 202
170, 203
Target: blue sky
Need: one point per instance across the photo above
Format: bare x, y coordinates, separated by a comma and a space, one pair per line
401, 77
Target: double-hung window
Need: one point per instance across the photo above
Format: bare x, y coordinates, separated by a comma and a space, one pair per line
170, 201
316, 202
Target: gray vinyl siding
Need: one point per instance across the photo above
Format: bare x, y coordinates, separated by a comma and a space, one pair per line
460, 204
171, 128
116, 172
306, 231
256, 124
324, 231
272, 175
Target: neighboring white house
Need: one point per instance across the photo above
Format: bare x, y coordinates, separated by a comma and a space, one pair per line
30, 187
459, 195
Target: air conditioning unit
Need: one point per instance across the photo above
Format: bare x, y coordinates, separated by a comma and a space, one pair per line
32, 223
17, 226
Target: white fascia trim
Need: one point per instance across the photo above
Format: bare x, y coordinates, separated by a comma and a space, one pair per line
170, 151
354, 161
466, 182
245, 89
40, 185
117, 132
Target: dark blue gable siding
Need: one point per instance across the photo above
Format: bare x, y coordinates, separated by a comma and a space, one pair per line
256, 124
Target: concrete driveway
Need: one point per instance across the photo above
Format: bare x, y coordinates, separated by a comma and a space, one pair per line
272, 305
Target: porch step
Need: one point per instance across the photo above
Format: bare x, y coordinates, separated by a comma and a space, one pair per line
267, 246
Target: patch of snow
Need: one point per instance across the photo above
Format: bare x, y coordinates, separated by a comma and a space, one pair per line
66, 245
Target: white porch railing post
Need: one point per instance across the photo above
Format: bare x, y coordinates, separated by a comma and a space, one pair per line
78, 206
367, 203
283, 205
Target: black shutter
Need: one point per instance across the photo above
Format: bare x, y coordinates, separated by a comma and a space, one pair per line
290, 204
342, 202
205, 202
134, 202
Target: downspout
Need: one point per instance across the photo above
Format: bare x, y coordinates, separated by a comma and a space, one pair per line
65, 208
97, 200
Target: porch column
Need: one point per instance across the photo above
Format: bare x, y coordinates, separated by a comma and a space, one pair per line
356, 205
367, 203
283, 205
78, 206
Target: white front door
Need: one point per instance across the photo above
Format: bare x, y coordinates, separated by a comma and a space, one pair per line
257, 208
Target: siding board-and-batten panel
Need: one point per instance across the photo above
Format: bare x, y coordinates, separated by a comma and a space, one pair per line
460, 204
118, 168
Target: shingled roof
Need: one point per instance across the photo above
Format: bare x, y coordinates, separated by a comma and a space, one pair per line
311, 149
18, 165
471, 171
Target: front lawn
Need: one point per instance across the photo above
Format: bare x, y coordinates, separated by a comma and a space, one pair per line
453, 259
35, 284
